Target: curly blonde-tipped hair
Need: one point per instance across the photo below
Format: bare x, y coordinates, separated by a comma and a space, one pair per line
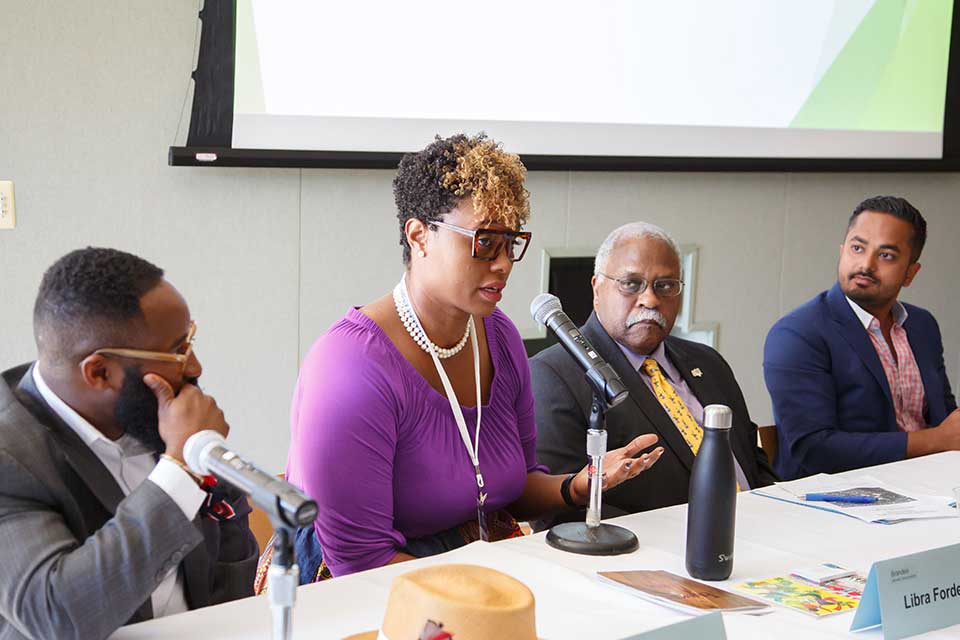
493, 179
431, 182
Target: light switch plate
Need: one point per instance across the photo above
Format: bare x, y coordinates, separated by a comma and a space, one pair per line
8, 208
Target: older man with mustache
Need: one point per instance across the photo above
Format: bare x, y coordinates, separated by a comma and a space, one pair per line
857, 378
637, 289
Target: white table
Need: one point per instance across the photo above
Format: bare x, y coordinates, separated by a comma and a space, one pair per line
772, 538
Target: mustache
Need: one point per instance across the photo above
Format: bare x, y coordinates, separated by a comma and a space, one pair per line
646, 315
863, 274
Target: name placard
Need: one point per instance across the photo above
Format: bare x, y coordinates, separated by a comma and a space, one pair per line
912, 594
705, 627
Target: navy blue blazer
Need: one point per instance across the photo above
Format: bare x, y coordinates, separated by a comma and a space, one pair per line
831, 399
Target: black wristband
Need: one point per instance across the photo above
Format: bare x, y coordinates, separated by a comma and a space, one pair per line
565, 490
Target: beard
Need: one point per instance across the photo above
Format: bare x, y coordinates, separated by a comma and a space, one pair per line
862, 298
137, 410
876, 295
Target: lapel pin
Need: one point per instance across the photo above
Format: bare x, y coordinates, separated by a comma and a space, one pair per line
697, 373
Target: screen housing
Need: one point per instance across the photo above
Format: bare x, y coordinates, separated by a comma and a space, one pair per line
209, 139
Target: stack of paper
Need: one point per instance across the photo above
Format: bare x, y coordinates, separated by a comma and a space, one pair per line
891, 506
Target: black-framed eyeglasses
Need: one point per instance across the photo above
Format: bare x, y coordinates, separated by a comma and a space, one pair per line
488, 243
662, 287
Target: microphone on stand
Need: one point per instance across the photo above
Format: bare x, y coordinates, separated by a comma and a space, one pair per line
591, 537
546, 310
289, 509
206, 452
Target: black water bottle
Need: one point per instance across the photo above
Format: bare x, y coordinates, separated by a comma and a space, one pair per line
712, 505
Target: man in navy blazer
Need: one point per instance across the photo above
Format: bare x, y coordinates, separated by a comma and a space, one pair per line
857, 377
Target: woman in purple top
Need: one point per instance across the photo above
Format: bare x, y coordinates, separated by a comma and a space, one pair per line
412, 422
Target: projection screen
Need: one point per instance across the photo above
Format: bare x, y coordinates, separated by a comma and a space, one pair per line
791, 79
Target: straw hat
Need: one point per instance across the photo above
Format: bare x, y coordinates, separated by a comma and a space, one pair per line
471, 602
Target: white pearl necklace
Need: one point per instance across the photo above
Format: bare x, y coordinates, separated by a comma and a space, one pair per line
412, 324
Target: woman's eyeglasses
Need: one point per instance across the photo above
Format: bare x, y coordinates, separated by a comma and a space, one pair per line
488, 243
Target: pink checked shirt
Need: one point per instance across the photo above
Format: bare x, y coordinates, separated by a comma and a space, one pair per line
902, 372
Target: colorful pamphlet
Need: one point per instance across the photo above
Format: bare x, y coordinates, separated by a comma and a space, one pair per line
676, 592
850, 586
822, 573
818, 600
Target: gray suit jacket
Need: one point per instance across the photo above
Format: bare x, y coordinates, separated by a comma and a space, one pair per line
77, 558
562, 401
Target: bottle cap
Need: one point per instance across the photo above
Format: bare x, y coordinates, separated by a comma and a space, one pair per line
717, 416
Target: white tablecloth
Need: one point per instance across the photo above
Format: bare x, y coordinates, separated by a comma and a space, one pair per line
772, 538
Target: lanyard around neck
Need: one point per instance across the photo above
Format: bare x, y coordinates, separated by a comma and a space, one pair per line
473, 450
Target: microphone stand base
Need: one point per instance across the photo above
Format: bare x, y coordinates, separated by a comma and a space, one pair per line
602, 540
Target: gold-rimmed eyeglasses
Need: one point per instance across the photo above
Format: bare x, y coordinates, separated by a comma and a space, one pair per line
181, 356
662, 287
488, 243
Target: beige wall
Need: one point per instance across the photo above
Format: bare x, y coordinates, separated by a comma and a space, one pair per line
92, 94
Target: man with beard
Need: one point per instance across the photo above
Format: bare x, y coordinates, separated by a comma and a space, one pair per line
857, 377
637, 290
101, 524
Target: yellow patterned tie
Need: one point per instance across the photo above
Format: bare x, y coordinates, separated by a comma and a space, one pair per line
670, 401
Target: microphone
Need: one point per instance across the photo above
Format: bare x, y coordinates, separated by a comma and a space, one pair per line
206, 453
607, 385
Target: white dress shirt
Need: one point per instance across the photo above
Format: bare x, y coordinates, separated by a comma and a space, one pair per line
898, 311
130, 463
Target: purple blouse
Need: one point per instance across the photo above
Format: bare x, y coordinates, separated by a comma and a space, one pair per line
378, 448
